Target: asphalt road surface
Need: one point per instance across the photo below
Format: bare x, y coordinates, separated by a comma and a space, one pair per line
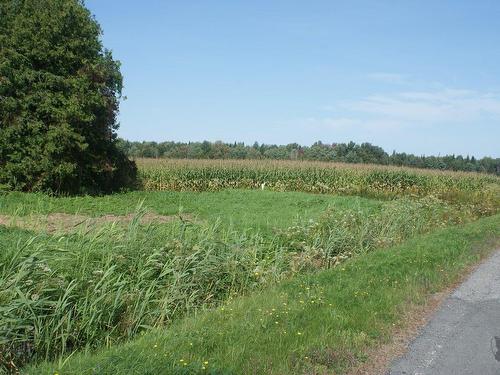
463, 337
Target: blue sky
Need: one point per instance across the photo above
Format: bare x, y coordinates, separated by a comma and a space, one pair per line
415, 76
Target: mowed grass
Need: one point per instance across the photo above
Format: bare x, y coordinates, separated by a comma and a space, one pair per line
253, 210
324, 322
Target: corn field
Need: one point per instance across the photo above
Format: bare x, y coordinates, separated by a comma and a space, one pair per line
315, 177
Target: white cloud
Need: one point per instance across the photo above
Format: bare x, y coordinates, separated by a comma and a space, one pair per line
431, 121
428, 107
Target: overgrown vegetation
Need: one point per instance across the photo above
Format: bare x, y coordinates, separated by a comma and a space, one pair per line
324, 322
59, 98
92, 289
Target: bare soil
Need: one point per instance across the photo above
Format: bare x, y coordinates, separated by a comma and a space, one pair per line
63, 222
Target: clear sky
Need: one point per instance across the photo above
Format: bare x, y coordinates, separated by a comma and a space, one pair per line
420, 76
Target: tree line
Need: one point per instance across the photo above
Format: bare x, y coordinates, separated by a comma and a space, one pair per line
338, 152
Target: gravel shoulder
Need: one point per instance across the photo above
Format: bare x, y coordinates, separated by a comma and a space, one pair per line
463, 337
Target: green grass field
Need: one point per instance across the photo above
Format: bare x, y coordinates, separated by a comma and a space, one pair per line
316, 323
249, 281
243, 209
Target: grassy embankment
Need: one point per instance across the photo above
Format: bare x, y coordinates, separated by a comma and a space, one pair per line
89, 288
84, 287
314, 323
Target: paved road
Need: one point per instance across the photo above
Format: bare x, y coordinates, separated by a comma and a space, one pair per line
463, 337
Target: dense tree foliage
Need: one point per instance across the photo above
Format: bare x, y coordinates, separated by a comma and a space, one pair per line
340, 152
59, 97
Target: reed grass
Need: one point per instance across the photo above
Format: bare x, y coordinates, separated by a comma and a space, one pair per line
63, 293
326, 322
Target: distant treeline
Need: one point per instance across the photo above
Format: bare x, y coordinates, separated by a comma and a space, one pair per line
338, 152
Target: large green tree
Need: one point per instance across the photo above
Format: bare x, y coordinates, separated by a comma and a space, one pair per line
59, 97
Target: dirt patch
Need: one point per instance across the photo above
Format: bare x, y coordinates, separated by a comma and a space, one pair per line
143, 219
4, 220
62, 222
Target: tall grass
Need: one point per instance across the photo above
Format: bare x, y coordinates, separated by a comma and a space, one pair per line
59, 294
326, 322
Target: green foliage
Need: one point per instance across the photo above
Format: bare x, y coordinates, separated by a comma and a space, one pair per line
244, 210
59, 98
319, 323
94, 288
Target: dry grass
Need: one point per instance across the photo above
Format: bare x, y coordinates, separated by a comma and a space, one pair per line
59, 222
